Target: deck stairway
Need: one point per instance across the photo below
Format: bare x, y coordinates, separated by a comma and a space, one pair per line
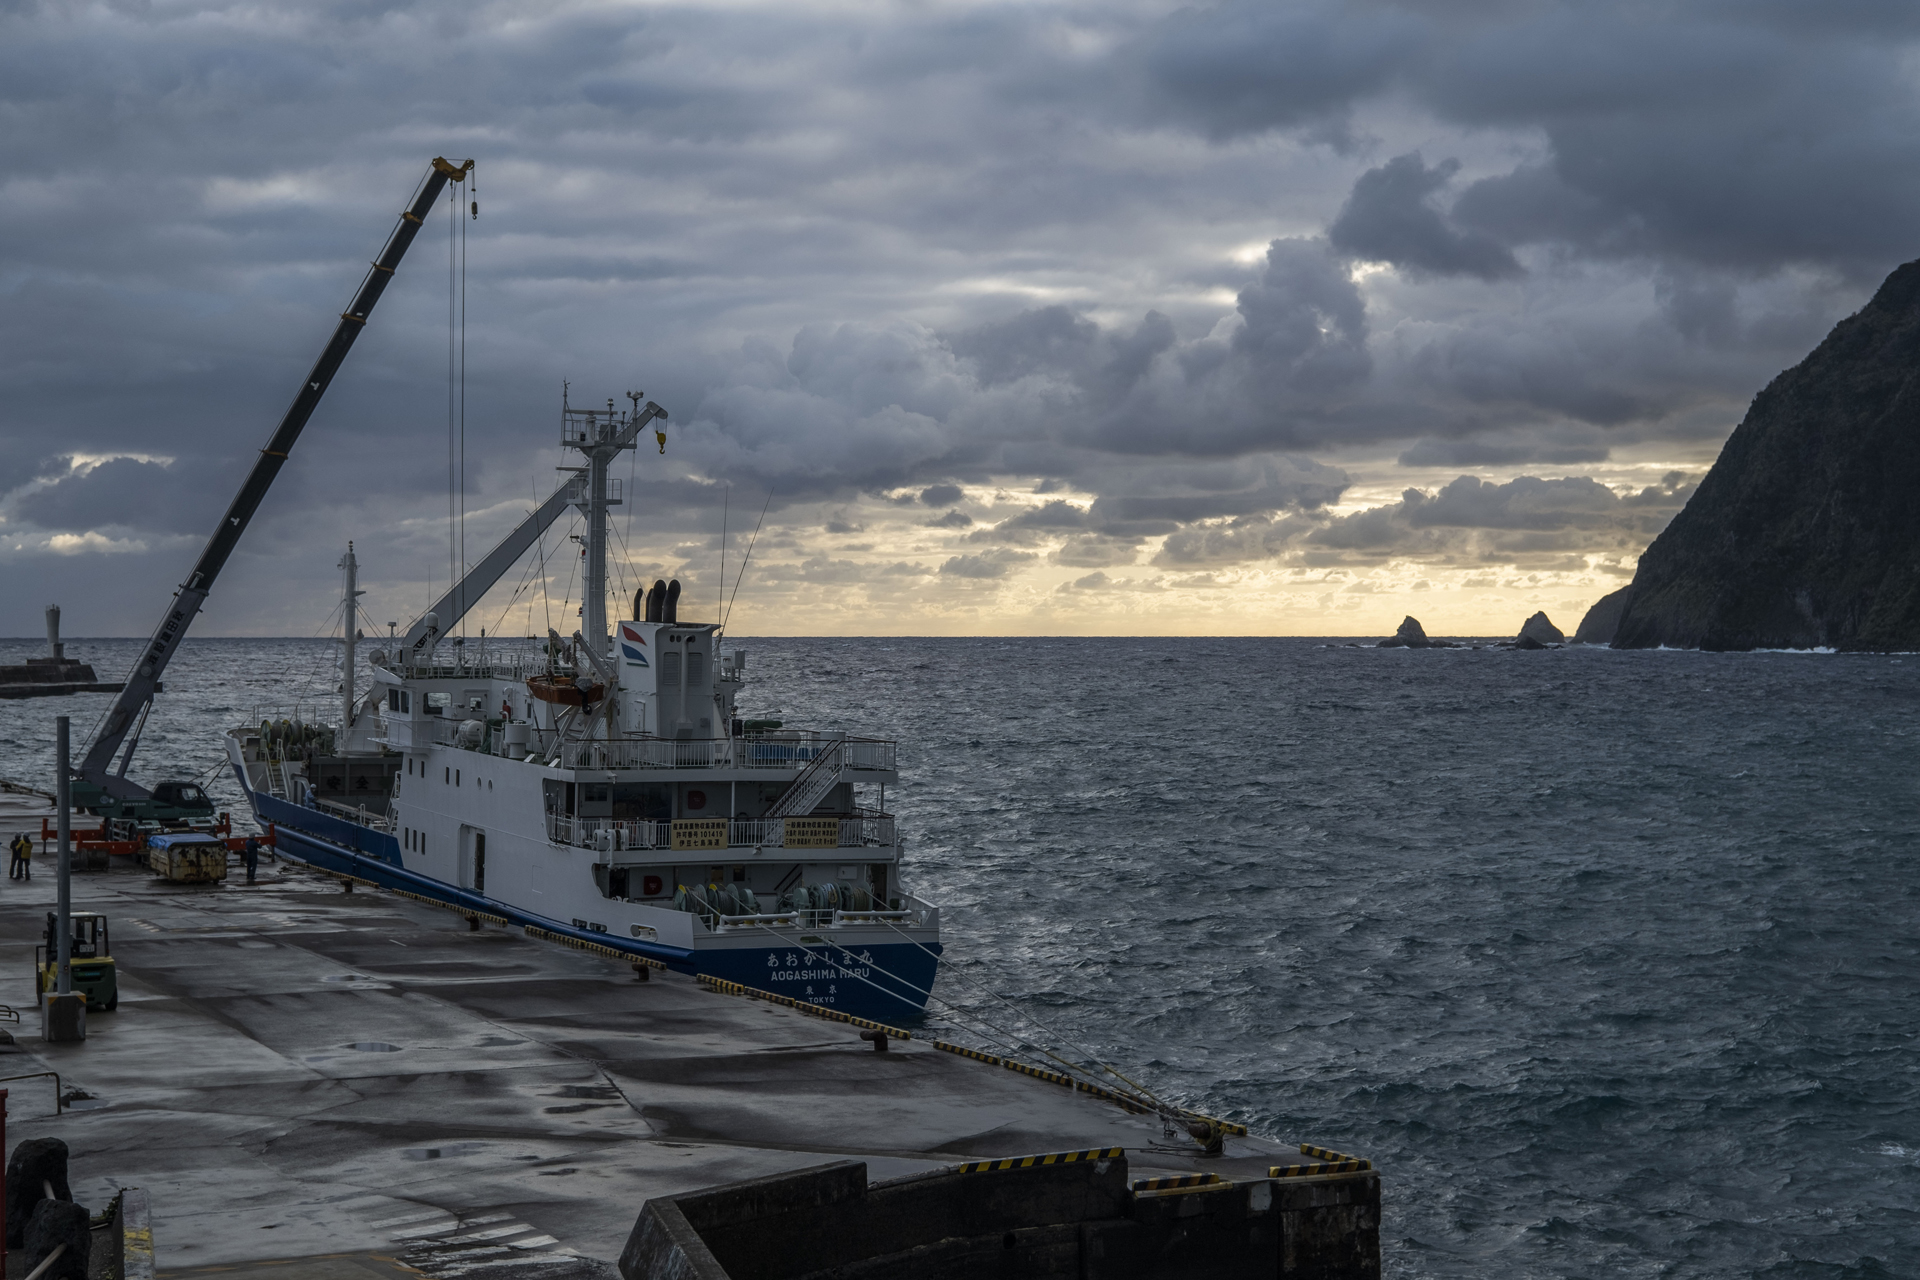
822, 774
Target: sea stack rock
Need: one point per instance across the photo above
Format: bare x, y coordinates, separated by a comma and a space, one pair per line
1538, 632
1603, 620
1411, 635
1806, 532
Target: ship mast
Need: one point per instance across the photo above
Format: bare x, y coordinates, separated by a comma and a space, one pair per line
601, 436
349, 610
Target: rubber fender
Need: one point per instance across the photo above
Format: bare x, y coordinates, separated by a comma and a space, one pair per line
55, 1223
34, 1161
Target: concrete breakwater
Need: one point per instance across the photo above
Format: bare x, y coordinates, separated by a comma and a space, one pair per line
295, 1072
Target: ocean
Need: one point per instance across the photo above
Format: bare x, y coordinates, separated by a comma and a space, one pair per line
1607, 960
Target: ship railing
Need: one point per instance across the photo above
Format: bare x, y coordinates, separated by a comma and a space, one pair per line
491, 666
827, 919
783, 750
786, 753
617, 835
794, 748
776, 920
355, 813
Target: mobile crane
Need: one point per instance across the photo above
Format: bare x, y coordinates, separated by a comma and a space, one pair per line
101, 785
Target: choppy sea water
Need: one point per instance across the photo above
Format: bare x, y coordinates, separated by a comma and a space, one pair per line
1608, 960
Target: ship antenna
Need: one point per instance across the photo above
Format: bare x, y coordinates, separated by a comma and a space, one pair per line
746, 560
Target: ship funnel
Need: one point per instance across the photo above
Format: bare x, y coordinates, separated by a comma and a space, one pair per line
671, 609
640, 603
55, 649
656, 600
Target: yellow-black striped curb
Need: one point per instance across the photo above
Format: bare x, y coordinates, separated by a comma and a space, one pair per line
591, 948
1335, 1157
469, 912
1030, 1162
1125, 1101
1181, 1182
813, 1010
1326, 1161
1121, 1100
965, 1052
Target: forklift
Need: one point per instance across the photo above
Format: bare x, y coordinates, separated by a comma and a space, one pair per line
91, 963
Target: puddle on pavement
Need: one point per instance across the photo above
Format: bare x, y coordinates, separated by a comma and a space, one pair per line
442, 1152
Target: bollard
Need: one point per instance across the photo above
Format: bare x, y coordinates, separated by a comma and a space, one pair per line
879, 1039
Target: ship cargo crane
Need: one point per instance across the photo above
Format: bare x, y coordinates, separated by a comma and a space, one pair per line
101, 779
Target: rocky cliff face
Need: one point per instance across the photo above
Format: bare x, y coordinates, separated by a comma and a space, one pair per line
1806, 533
1602, 622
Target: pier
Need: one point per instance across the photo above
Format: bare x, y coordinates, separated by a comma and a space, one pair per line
364, 1082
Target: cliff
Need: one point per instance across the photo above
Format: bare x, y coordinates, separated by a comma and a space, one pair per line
1602, 622
1806, 532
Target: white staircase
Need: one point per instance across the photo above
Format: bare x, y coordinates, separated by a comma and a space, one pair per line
822, 774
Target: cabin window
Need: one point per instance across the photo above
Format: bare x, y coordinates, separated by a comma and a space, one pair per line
447, 775
438, 702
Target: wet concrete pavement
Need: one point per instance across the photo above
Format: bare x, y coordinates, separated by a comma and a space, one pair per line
294, 1071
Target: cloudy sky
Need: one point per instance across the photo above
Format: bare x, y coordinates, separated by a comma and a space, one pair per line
1281, 318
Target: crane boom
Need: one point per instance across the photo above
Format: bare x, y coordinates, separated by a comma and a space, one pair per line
464, 594
144, 679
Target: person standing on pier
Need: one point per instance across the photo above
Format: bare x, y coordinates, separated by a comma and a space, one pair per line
251, 856
21, 868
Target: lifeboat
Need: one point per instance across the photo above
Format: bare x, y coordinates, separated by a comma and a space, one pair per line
566, 691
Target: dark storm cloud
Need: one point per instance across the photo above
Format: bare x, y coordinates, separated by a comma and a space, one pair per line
1502, 452
1525, 520
122, 492
898, 250
1748, 135
1390, 217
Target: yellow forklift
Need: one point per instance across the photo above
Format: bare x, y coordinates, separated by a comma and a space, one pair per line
91, 962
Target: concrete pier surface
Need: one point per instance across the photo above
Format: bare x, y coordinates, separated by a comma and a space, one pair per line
360, 1082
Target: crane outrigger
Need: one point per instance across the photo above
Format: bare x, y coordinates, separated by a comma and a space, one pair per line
102, 784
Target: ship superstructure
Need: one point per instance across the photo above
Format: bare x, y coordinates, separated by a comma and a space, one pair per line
604, 786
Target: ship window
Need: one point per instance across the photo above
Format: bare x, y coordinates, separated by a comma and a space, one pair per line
437, 701
447, 776
456, 777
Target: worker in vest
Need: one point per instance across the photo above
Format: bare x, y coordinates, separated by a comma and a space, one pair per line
21, 867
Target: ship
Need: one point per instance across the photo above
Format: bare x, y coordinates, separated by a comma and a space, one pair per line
603, 787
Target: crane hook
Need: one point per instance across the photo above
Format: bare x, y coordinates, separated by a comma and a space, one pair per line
661, 436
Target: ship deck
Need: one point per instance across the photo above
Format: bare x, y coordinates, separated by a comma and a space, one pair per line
297, 1072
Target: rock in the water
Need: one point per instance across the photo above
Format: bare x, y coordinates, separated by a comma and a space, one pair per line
1804, 533
1540, 630
1603, 620
1411, 635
